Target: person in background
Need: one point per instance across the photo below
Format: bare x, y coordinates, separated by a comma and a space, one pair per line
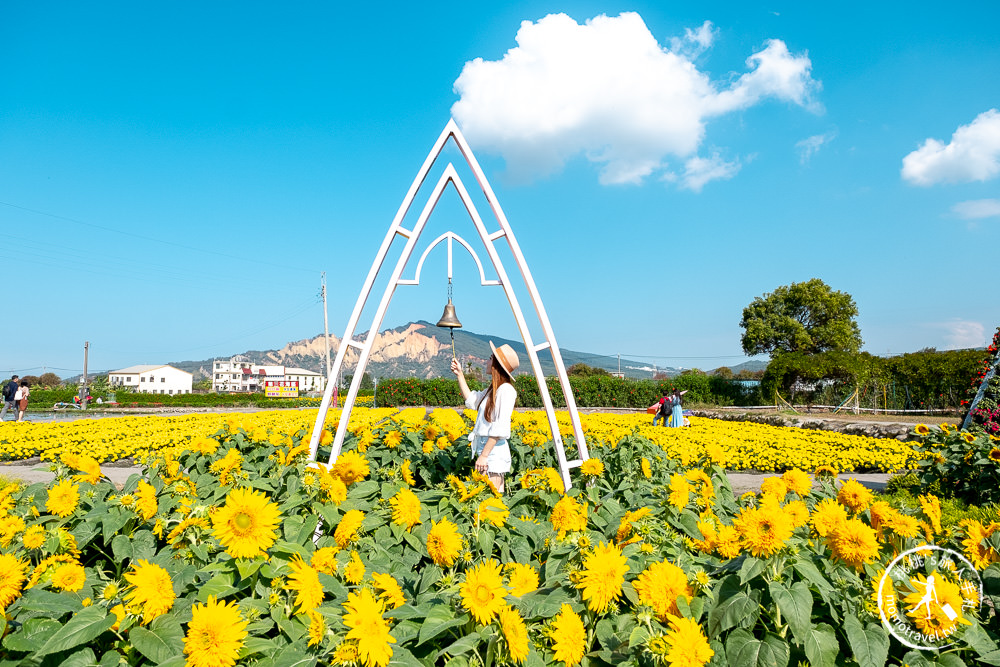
8, 397
22, 399
676, 411
662, 409
495, 404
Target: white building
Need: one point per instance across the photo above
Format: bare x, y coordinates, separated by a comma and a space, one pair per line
152, 379
240, 375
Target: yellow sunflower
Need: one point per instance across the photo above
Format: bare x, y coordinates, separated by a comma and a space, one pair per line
968, 437
515, 633
368, 628
304, 580
389, 589
348, 527
921, 429
317, 628
647, 471
592, 467
444, 543
351, 467
688, 646
145, 500
247, 524
63, 498
660, 585
995, 454
405, 509
763, 532
728, 544
603, 576
407, 473
483, 591
12, 577
931, 507
827, 516
854, 543
522, 579
568, 515
33, 537
215, 634
569, 636
939, 615
854, 496
975, 536
774, 486
798, 482
324, 560
680, 491
151, 589
354, 571
492, 511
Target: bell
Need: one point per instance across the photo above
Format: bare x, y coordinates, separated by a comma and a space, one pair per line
448, 318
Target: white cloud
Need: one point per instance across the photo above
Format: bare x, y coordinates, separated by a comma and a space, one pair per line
977, 209
972, 155
961, 334
811, 145
694, 42
608, 91
698, 171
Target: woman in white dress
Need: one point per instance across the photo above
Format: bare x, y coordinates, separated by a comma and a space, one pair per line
490, 450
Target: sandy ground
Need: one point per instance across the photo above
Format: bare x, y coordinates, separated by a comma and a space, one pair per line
741, 482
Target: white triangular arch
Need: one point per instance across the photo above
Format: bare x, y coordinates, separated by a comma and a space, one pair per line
450, 175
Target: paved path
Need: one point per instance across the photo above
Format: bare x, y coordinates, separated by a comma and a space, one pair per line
740, 481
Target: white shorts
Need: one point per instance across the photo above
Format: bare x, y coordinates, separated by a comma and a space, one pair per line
499, 459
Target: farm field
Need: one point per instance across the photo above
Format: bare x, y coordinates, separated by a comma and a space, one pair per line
230, 548
742, 445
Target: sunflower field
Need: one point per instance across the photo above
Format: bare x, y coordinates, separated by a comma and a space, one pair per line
746, 446
231, 548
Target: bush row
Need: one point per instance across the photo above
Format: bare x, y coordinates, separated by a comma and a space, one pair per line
593, 391
45, 398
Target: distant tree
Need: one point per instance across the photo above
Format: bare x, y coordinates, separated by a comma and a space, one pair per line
749, 375
49, 380
32, 380
693, 371
724, 372
204, 384
474, 371
367, 384
804, 317
660, 375
585, 371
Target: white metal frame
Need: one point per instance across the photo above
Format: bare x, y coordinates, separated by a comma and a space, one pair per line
450, 175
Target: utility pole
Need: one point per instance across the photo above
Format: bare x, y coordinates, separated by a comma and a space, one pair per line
83, 386
326, 325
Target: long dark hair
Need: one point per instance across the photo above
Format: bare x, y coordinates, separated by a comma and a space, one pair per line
500, 377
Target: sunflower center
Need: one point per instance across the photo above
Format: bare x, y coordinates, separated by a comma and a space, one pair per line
243, 521
483, 594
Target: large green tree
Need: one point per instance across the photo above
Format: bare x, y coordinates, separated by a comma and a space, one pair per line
807, 317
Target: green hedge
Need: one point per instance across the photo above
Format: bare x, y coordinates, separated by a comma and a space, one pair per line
43, 399
594, 391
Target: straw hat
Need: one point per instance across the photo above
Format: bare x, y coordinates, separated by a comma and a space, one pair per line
507, 357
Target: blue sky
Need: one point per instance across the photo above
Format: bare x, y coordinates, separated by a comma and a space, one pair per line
174, 178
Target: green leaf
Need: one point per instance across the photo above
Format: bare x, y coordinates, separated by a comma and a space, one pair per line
795, 605
870, 645
439, 619
32, 634
460, 646
220, 586
638, 637
744, 650
85, 626
977, 638
821, 646
83, 658
246, 568
143, 545
751, 569
54, 604
544, 603
113, 522
808, 571
950, 660
403, 658
733, 607
164, 639
121, 547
